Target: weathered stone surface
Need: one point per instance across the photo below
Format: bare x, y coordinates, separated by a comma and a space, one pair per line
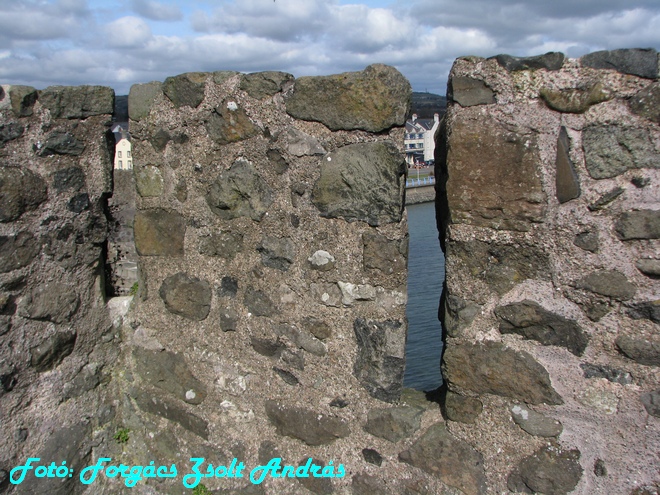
366, 484
535, 423
240, 192
461, 408
500, 266
69, 179
159, 232
394, 423
493, 177
575, 100
61, 143
609, 283
277, 161
649, 310
277, 252
141, 99
87, 379
640, 224
77, 102
228, 287
610, 150
328, 294
649, 267
319, 486
372, 456
319, 328
322, 261
185, 89
258, 303
54, 302
551, 470
642, 62
599, 400
310, 426
288, 377
52, 351
529, 319
351, 293
149, 181
21, 190
181, 191
229, 123
640, 349
566, 179
458, 314
262, 84
79, 203
169, 372
451, 460
383, 254
159, 139
172, 411
225, 245
229, 320
266, 347
651, 402
23, 99
605, 199
604, 371
548, 61
647, 102
10, 131
186, 296
302, 338
361, 182
469, 92
380, 360
588, 241
493, 368
372, 100
301, 144
73, 443
17, 251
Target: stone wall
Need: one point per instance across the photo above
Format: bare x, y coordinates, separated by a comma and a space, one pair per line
549, 211
56, 338
272, 242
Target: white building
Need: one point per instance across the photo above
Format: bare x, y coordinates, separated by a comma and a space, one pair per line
123, 155
419, 139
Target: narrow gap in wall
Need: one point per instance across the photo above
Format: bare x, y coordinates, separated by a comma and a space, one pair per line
121, 257
426, 262
426, 273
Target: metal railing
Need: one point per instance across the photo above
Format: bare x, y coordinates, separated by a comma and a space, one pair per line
424, 181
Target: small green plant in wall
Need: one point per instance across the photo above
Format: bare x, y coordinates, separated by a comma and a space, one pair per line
134, 289
201, 490
122, 435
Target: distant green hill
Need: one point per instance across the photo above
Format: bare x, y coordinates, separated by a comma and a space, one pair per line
426, 104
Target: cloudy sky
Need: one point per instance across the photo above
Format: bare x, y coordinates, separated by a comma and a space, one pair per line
121, 42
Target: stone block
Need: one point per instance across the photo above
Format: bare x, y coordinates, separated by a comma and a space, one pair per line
159, 232
186, 296
310, 426
493, 368
21, 190
362, 182
371, 100
494, 179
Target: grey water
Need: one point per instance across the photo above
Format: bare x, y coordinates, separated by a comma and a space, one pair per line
426, 272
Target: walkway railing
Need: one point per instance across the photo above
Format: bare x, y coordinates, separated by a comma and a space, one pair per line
425, 181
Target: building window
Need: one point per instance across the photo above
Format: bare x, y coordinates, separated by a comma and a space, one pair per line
128, 154
119, 162
119, 154
129, 163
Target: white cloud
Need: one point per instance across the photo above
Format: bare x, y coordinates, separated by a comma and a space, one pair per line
98, 42
128, 32
157, 11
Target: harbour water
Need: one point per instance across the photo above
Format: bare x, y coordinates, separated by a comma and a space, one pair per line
426, 271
